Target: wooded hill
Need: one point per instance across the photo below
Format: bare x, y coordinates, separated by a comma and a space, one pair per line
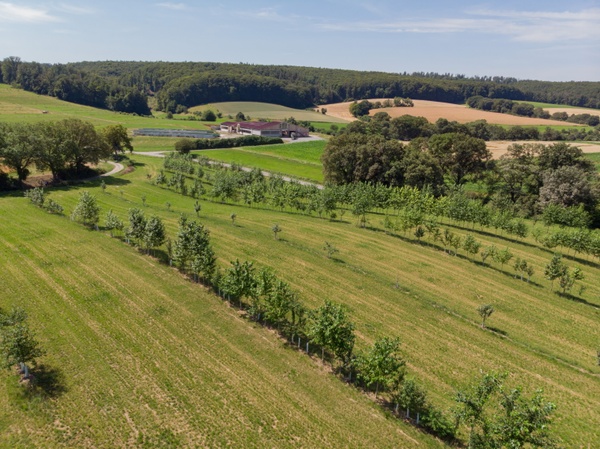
177, 85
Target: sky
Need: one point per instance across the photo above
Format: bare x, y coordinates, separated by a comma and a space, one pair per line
544, 40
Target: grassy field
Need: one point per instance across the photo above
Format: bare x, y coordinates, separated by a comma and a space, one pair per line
142, 358
118, 326
258, 110
267, 161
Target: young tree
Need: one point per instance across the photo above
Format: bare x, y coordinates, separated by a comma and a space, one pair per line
276, 230
471, 410
197, 208
382, 365
330, 328
87, 210
330, 249
485, 310
137, 225
470, 245
113, 222
154, 233
17, 341
555, 269
503, 257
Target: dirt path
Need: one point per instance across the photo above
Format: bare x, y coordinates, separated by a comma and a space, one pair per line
117, 167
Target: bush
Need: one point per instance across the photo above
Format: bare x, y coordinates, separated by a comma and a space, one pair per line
184, 146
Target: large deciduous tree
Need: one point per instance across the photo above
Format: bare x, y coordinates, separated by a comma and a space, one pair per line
459, 155
117, 138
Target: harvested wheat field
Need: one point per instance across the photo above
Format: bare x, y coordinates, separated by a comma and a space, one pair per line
433, 110
499, 147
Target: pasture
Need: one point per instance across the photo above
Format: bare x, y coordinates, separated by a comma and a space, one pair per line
145, 352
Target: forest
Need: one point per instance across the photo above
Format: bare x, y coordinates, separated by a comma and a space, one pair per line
125, 86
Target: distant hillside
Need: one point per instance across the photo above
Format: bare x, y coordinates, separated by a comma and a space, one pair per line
123, 86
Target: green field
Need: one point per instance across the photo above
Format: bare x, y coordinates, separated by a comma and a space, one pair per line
258, 110
538, 104
144, 352
299, 160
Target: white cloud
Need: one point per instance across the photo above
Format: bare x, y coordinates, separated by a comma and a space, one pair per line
72, 9
9, 12
174, 6
265, 14
529, 26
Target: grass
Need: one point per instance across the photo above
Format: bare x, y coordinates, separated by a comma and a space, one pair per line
595, 158
550, 340
145, 358
258, 110
538, 104
273, 163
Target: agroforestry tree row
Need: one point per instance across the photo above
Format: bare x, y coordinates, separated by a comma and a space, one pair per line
380, 368
405, 209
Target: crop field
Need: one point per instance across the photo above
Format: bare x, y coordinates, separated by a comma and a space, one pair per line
434, 110
146, 354
309, 151
499, 147
258, 110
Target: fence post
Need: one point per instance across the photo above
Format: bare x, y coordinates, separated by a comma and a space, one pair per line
307, 347
417, 419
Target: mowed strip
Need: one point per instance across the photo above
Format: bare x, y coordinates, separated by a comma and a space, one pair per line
146, 353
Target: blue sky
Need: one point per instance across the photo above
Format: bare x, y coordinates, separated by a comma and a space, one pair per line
547, 40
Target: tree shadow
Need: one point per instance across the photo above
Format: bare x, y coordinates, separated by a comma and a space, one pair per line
48, 382
495, 330
574, 298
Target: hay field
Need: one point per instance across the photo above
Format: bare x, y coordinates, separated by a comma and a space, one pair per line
258, 110
434, 110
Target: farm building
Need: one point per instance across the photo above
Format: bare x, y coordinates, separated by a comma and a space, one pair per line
265, 129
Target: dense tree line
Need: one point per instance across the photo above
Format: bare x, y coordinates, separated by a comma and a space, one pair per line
530, 179
187, 145
408, 127
528, 110
187, 84
69, 83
